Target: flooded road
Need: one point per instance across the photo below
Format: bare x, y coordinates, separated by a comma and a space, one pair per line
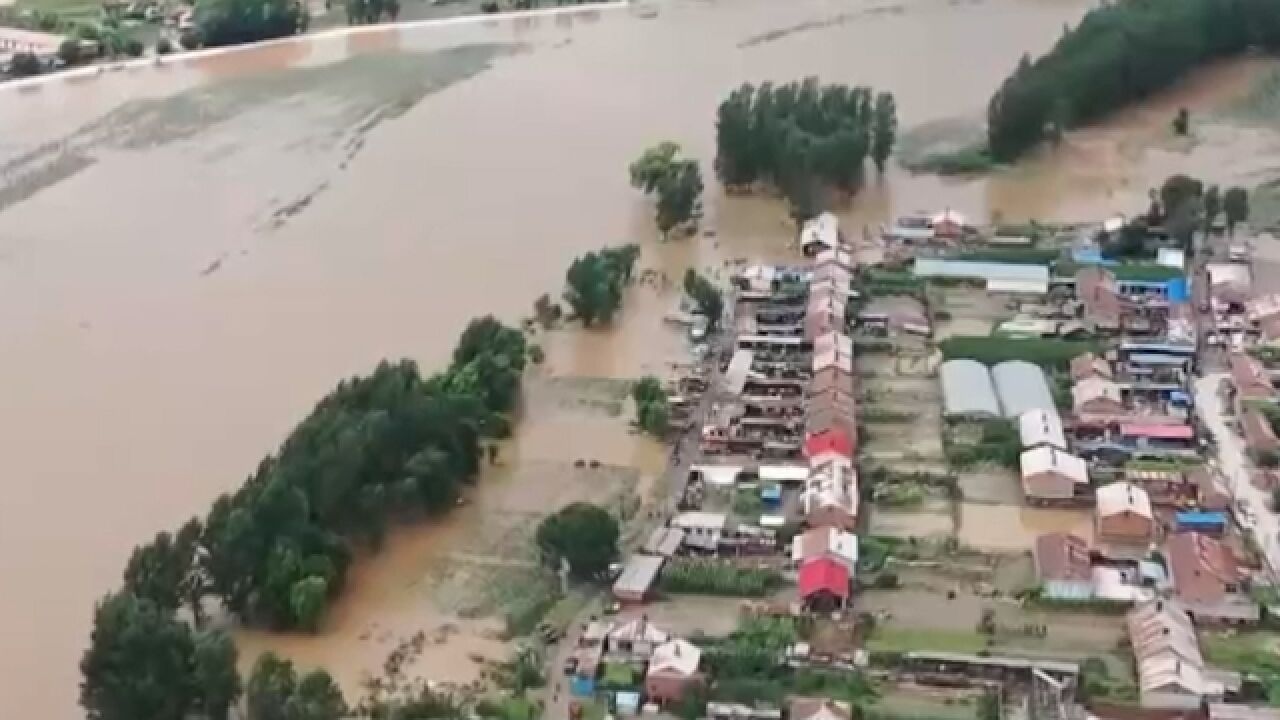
191, 255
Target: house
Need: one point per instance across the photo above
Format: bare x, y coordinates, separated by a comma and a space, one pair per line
830, 496
673, 671
820, 234
830, 379
1171, 672
702, 530
825, 541
1124, 513
824, 585
1096, 395
738, 711
1098, 293
664, 541
822, 446
1063, 567
948, 225
1207, 579
1049, 474
1090, 365
1249, 378
634, 639
805, 708
998, 277
637, 578
1258, 433
1041, 427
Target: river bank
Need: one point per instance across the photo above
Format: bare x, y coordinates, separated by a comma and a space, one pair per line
168, 326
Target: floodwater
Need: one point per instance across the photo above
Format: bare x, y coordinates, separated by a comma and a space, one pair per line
191, 254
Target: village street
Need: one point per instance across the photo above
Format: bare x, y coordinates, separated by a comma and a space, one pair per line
1234, 464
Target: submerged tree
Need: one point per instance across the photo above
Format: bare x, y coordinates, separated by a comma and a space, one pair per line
138, 664
594, 283
705, 294
652, 408
231, 22
791, 135
676, 181
884, 129
1181, 122
1236, 205
1121, 52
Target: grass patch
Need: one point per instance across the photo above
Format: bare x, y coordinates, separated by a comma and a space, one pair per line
900, 706
1048, 353
1148, 272
901, 639
1243, 652
714, 577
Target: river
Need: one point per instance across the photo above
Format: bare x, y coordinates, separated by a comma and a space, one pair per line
191, 254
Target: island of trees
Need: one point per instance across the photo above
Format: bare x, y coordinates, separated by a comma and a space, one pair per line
1121, 52
802, 136
386, 447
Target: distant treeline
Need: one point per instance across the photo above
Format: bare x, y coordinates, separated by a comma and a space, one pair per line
793, 134
1121, 52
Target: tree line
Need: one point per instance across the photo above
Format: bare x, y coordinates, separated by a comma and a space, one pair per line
1120, 52
388, 446
801, 134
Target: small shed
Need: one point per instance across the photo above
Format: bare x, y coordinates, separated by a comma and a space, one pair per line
1124, 513
1041, 427
673, 671
824, 585
1063, 566
1208, 522
664, 541
1049, 474
702, 530
637, 578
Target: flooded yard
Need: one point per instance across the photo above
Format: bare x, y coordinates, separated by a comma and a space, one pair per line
1013, 528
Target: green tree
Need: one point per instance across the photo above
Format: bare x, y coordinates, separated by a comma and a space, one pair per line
1120, 52
884, 130
1212, 206
317, 697
24, 64
138, 664
594, 283
232, 22
217, 684
705, 295
799, 135
1236, 205
1177, 191
1181, 122
69, 51
653, 411
272, 684
676, 181
307, 599
581, 534
165, 570
989, 705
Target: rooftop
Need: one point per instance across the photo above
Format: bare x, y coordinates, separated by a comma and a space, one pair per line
967, 389
1047, 459
1062, 557
1123, 497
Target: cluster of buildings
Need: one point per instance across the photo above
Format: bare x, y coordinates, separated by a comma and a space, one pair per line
634, 653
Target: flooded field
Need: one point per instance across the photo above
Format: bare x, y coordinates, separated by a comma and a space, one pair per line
191, 254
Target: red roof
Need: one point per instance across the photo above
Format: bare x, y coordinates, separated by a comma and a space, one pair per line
824, 573
1158, 432
835, 440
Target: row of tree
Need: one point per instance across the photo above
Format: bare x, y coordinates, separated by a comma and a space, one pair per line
1181, 207
1122, 51
392, 445
232, 22
594, 283
675, 180
793, 135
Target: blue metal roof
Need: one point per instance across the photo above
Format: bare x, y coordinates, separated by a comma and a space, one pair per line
1170, 348
1201, 517
1179, 290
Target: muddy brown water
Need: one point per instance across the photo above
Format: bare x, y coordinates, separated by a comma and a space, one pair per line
191, 254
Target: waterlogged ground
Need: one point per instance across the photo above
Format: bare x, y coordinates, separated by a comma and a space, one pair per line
192, 253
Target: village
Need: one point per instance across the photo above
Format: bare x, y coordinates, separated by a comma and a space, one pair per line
954, 471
